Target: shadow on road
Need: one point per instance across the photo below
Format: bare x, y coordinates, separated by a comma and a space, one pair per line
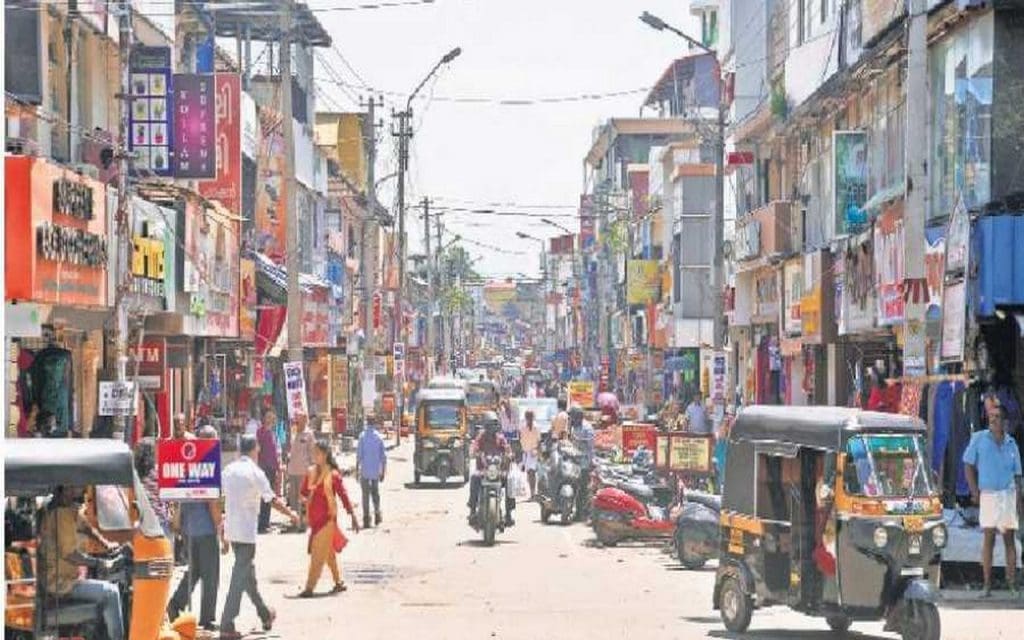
479, 544
434, 486
784, 634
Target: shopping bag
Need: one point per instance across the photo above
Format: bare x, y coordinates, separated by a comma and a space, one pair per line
517, 487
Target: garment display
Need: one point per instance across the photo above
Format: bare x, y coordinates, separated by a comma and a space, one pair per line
25, 392
53, 391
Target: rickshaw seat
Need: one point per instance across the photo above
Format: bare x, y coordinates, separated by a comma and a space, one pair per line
70, 612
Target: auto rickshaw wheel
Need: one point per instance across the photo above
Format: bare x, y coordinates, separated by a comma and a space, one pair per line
416, 478
545, 514
921, 622
838, 623
737, 607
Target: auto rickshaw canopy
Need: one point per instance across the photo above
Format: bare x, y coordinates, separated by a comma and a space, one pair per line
816, 427
34, 466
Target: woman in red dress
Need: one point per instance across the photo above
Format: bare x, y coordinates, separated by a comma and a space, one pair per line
320, 487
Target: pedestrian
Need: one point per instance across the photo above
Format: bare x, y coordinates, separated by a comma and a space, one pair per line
560, 423
320, 487
696, 417
993, 470
371, 463
300, 459
201, 525
529, 438
182, 428
269, 461
246, 487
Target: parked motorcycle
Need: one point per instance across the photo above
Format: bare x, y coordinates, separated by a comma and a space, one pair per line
635, 511
490, 508
559, 483
697, 529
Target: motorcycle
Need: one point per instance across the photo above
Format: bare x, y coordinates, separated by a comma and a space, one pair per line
632, 510
490, 508
559, 484
697, 529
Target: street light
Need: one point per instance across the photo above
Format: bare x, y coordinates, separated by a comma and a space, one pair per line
552, 223
717, 269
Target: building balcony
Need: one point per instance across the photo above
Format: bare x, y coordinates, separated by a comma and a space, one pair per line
765, 232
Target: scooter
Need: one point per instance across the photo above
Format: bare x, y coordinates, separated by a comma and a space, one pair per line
697, 529
641, 513
559, 484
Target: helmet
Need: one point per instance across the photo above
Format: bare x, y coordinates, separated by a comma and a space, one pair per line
576, 416
491, 423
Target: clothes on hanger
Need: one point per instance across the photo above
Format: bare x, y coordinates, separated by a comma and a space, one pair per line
53, 391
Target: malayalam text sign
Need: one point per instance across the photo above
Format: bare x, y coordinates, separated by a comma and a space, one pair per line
188, 469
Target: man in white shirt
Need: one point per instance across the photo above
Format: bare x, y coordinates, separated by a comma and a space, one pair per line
245, 486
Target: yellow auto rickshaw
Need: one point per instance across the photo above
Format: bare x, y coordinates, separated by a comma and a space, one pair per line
33, 470
442, 445
482, 397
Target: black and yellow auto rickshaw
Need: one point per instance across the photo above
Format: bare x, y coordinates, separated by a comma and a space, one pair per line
481, 398
117, 505
442, 446
832, 512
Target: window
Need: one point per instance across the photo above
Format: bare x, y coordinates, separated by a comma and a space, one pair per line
886, 466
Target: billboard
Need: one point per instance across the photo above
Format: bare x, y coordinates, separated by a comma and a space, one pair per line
195, 126
850, 179
150, 118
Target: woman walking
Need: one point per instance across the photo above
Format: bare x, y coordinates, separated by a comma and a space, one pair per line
320, 488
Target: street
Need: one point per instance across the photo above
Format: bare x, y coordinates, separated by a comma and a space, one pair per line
424, 574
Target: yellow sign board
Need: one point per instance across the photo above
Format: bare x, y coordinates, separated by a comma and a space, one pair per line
581, 393
643, 281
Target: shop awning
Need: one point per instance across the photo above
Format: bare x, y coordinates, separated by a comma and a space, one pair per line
275, 278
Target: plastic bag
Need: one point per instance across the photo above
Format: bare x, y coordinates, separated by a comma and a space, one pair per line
517, 487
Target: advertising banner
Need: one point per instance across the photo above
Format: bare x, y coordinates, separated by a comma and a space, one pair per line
850, 179
227, 184
633, 435
211, 273
295, 389
888, 236
195, 126
935, 270
270, 188
153, 260
247, 299
718, 383
188, 469
151, 118
250, 126
587, 223
581, 393
792, 294
954, 315
643, 282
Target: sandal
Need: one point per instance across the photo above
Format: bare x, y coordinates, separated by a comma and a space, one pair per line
341, 587
305, 593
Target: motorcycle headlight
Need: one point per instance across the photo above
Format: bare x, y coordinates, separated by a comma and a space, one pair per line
881, 537
939, 536
492, 472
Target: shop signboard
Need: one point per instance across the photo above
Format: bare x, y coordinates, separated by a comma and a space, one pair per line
581, 393
271, 199
888, 248
766, 296
211, 273
188, 469
227, 183
643, 282
587, 226
857, 295
295, 389
339, 380
148, 360
150, 119
635, 434
195, 126
718, 382
850, 179
793, 293
55, 232
954, 315
117, 398
684, 453
153, 256
247, 299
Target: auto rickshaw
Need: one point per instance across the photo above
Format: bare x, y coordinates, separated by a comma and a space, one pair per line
117, 503
481, 397
834, 513
442, 445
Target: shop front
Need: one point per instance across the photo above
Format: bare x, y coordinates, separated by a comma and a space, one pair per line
767, 372
57, 251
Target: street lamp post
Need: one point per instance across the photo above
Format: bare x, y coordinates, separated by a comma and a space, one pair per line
718, 266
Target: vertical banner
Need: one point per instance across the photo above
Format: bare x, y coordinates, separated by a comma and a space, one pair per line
718, 378
195, 126
888, 240
270, 188
247, 299
587, 225
295, 389
850, 179
227, 183
150, 118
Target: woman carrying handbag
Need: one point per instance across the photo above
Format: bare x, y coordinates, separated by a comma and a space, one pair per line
321, 486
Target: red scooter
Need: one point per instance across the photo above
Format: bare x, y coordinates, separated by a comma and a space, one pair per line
618, 515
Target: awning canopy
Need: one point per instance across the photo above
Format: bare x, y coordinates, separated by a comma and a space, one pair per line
274, 278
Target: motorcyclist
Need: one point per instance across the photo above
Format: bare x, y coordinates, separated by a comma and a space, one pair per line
582, 436
490, 442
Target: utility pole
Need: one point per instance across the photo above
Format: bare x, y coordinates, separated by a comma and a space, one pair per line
398, 330
718, 259
914, 360
443, 359
370, 232
124, 44
428, 348
292, 263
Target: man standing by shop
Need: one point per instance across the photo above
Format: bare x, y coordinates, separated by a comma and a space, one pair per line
246, 488
269, 461
993, 469
300, 459
371, 463
696, 417
201, 525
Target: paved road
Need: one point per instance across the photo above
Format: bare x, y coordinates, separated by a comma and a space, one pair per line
423, 575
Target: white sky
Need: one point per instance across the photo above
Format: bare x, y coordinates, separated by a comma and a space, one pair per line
470, 154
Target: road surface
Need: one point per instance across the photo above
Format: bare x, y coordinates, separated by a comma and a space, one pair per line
423, 575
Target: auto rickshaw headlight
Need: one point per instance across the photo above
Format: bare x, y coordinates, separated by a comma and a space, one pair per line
881, 537
939, 536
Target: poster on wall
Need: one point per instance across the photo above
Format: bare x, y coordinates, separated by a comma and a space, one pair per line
295, 389
888, 246
195, 126
850, 179
643, 282
150, 118
954, 304
227, 182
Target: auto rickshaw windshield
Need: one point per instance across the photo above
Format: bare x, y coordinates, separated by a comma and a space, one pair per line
886, 466
481, 395
442, 416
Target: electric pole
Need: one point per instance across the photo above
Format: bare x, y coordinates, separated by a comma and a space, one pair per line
292, 263
441, 281
914, 359
428, 350
404, 133
123, 241
370, 231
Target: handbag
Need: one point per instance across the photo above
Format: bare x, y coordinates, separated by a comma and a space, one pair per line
338, 539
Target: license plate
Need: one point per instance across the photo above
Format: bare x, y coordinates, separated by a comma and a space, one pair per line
912, 571
915, 545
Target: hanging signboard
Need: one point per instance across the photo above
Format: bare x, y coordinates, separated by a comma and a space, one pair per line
188, 469
958, 238
195, 126
889, 271
227, 183
295, 389
150, 118
954, 304
117, 399
850, 179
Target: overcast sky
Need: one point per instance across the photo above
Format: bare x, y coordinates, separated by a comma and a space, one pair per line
466, 155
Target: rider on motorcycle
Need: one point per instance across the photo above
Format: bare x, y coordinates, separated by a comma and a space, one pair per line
490, 442
582, 434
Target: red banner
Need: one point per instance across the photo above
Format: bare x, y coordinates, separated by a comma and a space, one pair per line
634, 435
226, 187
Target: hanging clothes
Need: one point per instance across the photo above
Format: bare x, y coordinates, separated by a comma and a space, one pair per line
945, 394
967, 416
25, 392
53, 391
